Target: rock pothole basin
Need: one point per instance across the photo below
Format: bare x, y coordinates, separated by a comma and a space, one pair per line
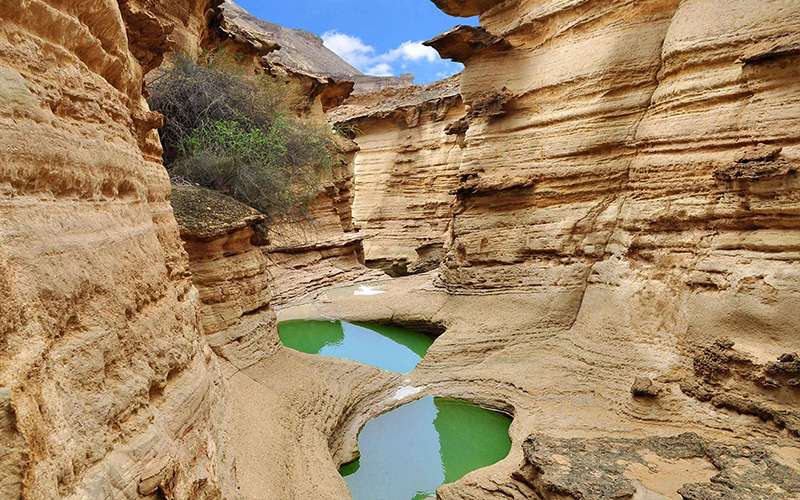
408, 452
387, 347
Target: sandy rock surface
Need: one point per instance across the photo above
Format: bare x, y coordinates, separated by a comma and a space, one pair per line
621, 267
106, 388
578, 431
405, 172
611, 190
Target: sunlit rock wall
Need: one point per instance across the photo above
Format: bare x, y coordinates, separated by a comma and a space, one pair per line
319, 248
639, 162
628, 132
224, 240
106, 387
405, 172
159, 28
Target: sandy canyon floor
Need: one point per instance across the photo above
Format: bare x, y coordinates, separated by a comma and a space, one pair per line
564, 378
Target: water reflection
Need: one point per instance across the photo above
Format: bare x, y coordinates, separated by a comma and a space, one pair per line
408, 452
388, 347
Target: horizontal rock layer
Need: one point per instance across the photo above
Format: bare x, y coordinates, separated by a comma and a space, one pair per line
223, 239
405, 172
621, 260
107, 389
638, 167
319, 251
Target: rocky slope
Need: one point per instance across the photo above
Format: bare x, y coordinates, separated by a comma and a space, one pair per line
323, 248
300, 51
405, 172
324, 79
107, 389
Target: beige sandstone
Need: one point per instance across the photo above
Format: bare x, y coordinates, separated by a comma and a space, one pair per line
617, 188
626, 208
322, 248
405, 172
223, 239
106, 387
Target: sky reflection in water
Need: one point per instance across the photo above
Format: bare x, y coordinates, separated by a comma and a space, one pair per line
408, 452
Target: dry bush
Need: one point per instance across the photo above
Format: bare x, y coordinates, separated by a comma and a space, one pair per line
237, 134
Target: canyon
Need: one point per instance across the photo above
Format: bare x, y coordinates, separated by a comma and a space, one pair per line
598, 220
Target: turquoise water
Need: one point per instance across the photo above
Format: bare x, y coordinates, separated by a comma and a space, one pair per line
387, 347
407, 453
410, 451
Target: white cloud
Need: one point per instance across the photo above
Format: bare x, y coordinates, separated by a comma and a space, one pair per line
349, 48
411, 51
381, 69
364, 57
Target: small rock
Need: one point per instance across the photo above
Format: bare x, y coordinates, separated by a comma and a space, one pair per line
643, 387
156, 474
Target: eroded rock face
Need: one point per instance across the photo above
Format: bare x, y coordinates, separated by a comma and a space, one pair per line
324, 78
108, 390
624, 201
733, 380
592, 154
641, 166
608, 468
405, 172
160, 27
321, 249
223, 239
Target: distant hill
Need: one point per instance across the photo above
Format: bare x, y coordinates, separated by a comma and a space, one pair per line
302, 51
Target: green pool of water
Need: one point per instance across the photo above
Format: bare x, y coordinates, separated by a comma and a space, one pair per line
410, 451
407, 453
388, 347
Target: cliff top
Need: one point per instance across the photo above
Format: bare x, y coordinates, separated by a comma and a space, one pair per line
385, 101
203, 213
298, 51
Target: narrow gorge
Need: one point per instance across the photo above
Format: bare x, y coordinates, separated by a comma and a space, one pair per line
594, 230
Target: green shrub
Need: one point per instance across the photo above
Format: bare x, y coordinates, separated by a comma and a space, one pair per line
237, 134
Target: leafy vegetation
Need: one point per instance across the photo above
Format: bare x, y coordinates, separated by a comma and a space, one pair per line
237, 134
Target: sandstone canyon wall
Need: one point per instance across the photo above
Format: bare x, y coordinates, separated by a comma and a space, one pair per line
636, 163
223, 239
405, 172
627, 142
106, 387
621, 258
321, 248
613, 186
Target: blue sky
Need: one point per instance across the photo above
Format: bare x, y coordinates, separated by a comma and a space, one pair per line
380, 37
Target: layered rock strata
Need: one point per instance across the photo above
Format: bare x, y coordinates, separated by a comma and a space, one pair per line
321, 248
578, 432
323, 78
621, 265
158, 28
405, 172
628, 179
107, 389
223, 239
598, 145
